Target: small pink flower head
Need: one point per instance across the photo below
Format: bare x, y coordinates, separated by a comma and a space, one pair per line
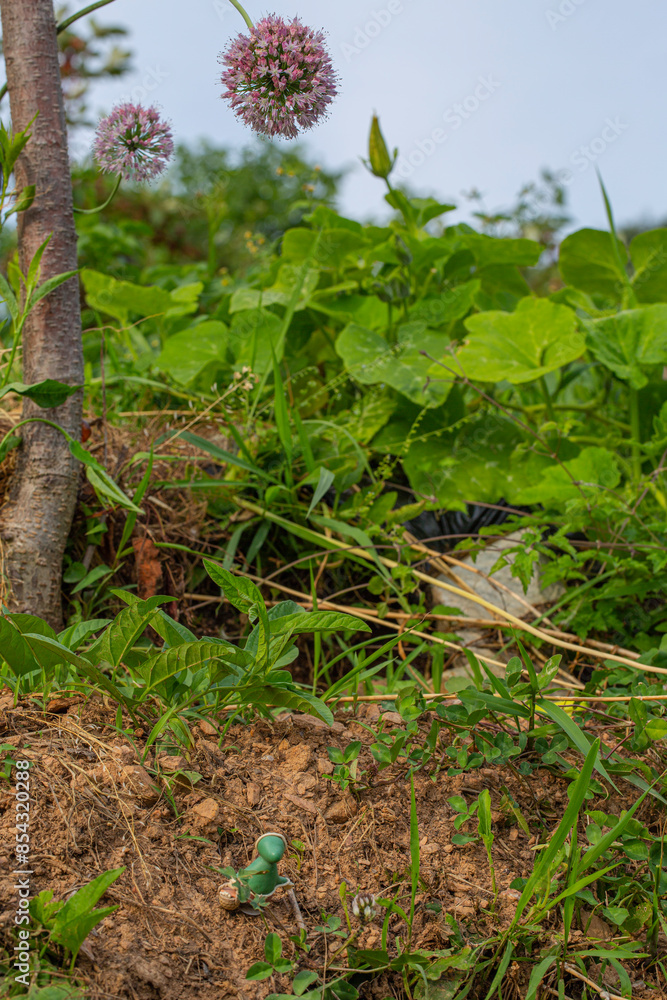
134, 142
280, 78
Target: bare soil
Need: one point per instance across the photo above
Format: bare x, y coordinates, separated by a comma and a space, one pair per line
97, 804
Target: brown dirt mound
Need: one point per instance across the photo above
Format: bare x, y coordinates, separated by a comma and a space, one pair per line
98, 805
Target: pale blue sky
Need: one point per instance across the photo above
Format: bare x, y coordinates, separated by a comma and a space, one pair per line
505, 88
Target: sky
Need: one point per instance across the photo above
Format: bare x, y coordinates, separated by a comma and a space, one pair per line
475, 93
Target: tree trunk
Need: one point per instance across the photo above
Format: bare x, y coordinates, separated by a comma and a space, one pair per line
35, 521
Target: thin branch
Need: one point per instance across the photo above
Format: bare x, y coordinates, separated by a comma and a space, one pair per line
82, 13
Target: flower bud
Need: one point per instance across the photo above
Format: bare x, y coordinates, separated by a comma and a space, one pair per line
363, 907
380, 162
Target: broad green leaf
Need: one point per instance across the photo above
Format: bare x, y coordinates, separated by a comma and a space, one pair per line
289, 697
324, 217
171, 631
290, 279
59, 653
31, 623
244, 596
254, 337
184, 300
441, 310
429, 208
631, 342
317, 621
404, 366
259, 971
539, 337
43, 907
587, 261
273, 948
75, 635
122, 299
242, 593
187, 354
648, 252
332, 250
279, 611
47, 394
128, 626
15, 650
656, 729
470, 464
190, 655
398, 200
365, 310
302, 981
502, 287
371, 412
75, 920
592, 470
489, 250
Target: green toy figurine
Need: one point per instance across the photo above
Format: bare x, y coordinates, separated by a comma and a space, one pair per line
261, 876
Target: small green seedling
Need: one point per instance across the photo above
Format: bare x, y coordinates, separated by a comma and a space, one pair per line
484, 830
345, 772
69, 923
465, 813
275, 963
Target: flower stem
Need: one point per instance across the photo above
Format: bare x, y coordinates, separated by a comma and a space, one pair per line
235, 3
35, 420
82, 13
100, 208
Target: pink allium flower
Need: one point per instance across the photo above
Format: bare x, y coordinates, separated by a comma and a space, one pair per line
280, 78
134, 142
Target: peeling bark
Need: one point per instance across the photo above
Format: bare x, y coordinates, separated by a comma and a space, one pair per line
35, 521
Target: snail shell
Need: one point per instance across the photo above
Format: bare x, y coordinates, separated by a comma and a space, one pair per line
228, 895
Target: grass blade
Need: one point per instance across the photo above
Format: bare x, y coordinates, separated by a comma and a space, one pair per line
570, 816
